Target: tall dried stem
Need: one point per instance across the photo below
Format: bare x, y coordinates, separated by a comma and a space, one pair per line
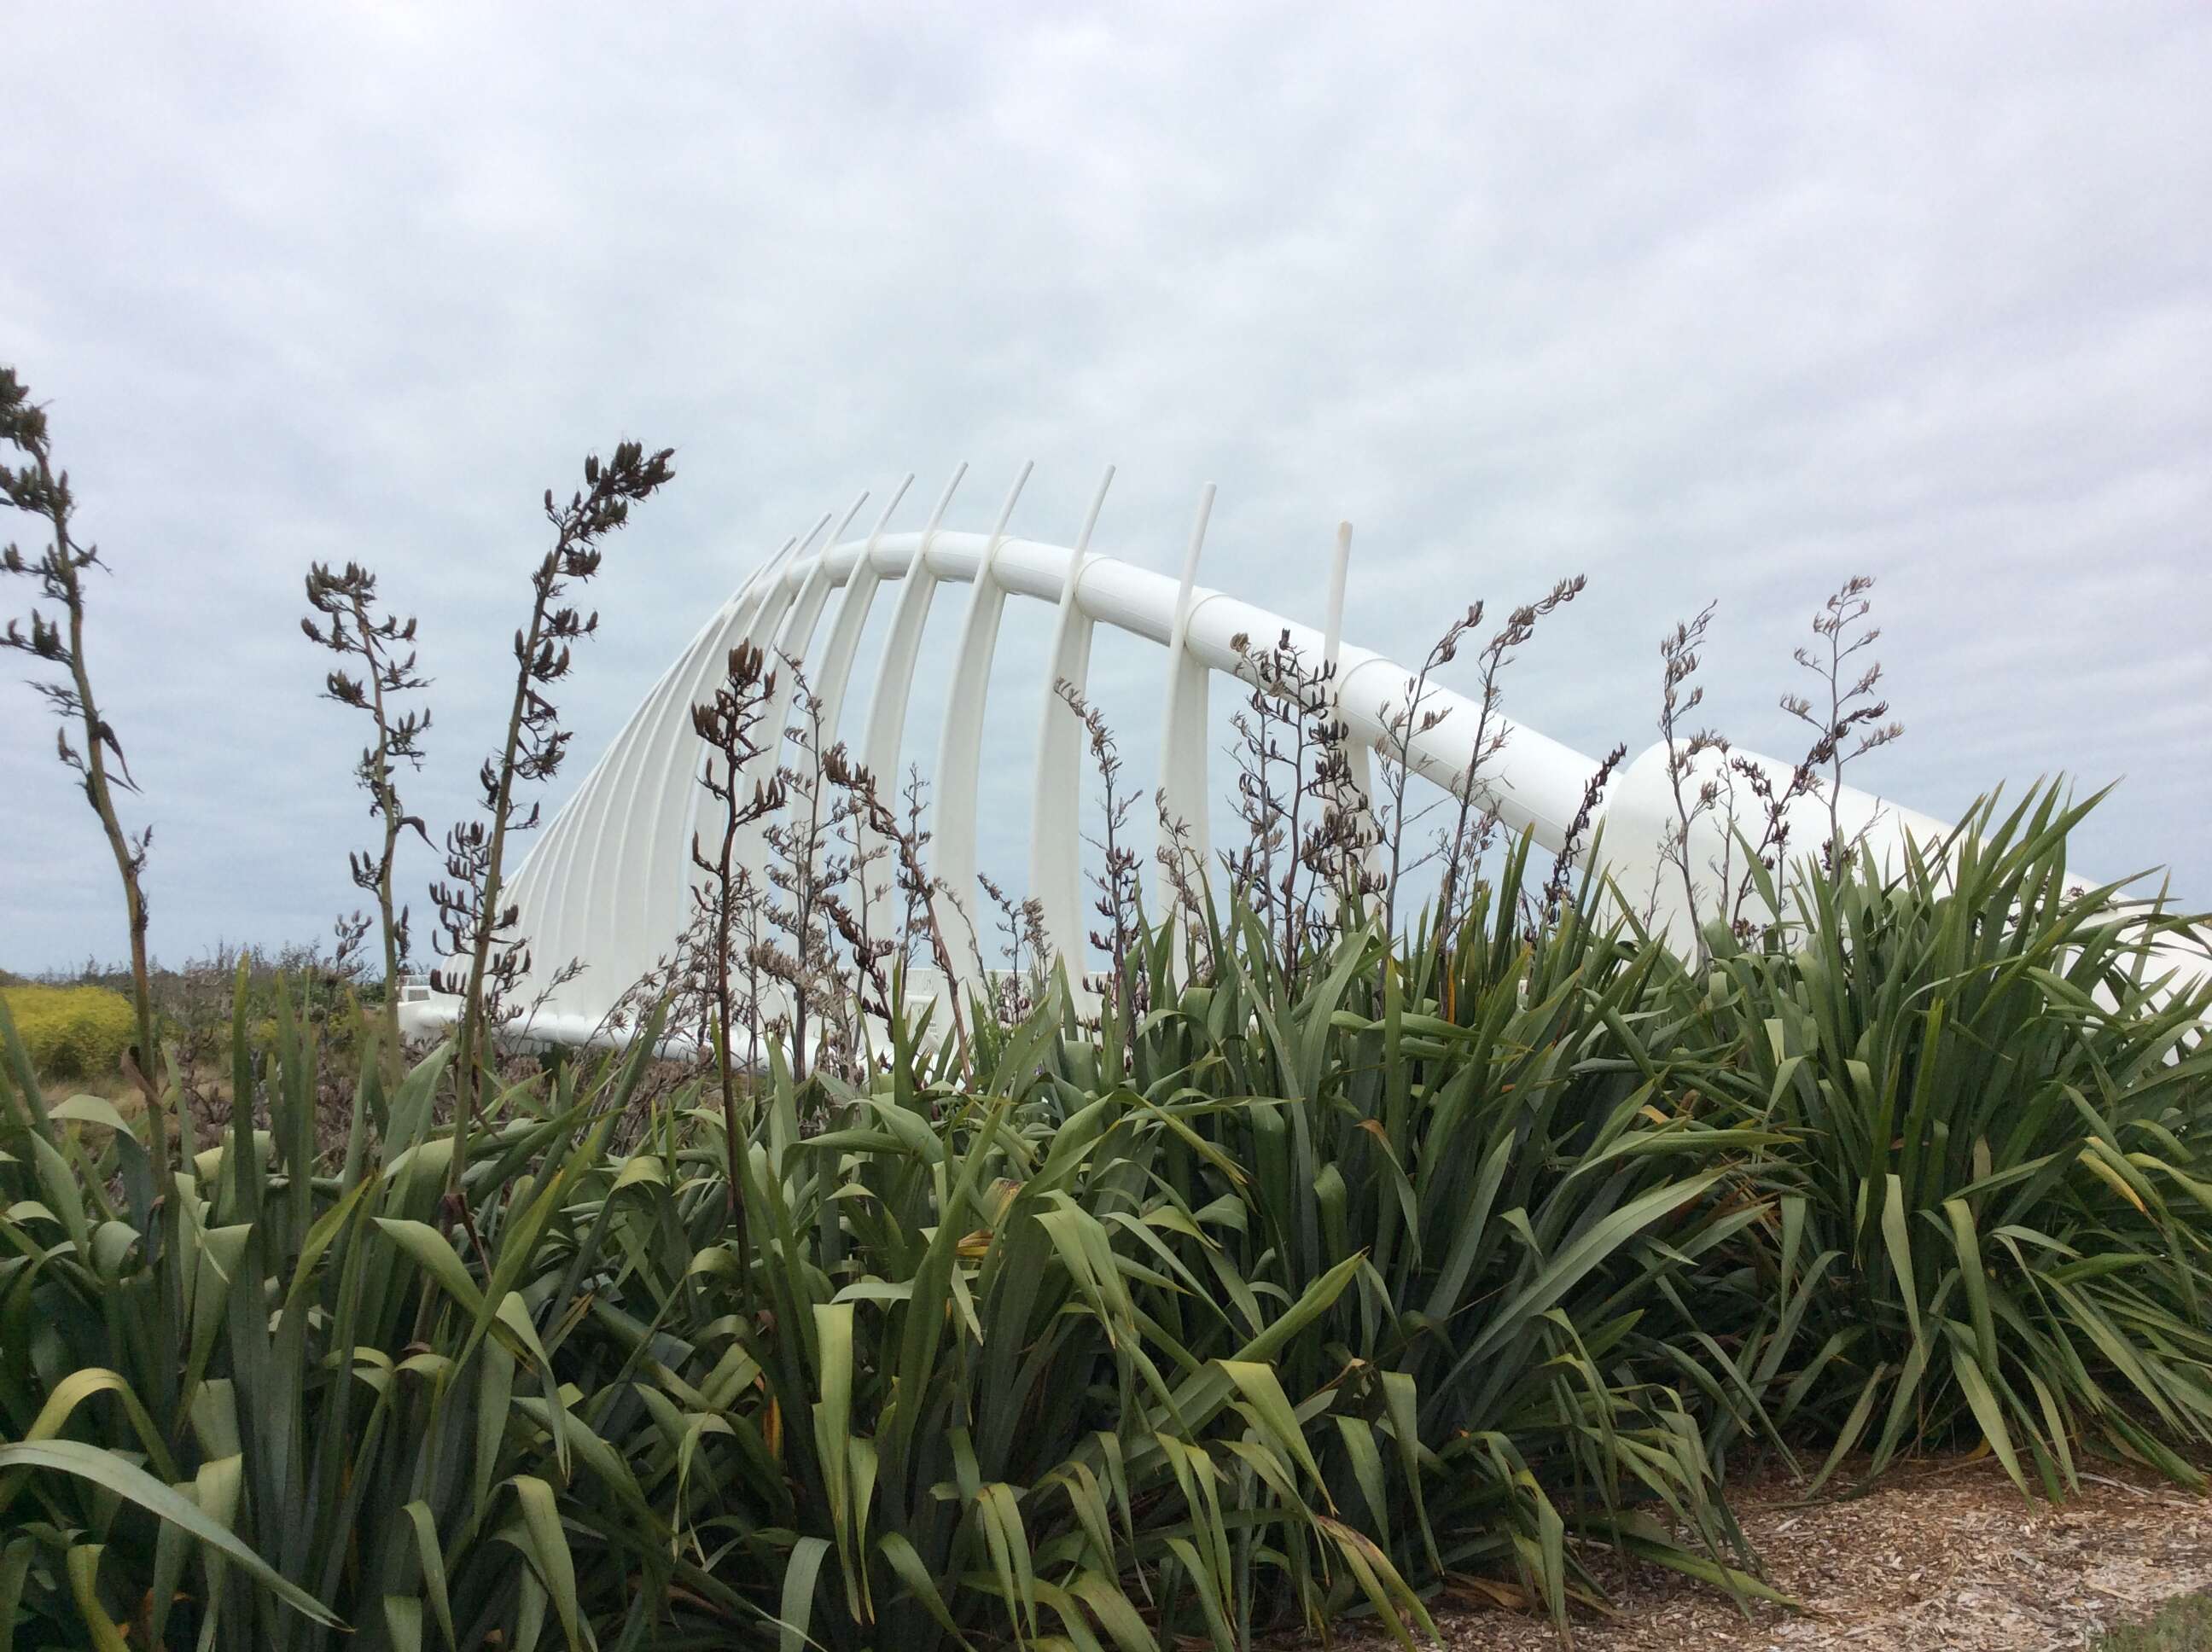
471, 909
905, 838
1120, 898
1679, 654
730, 724
353, 626
1401, 726
1475, 813
38, 489
1855, 708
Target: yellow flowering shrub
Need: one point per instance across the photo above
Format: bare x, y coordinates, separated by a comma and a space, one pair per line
72, 1032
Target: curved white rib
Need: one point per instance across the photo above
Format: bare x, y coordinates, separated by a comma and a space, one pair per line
860, 581
1183, 711
886, 729
960, 752
1055, 816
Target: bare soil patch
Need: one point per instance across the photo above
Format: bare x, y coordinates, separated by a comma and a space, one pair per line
1942, 1556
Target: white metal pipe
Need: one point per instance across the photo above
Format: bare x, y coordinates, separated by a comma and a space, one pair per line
1339, 565
1183, 724
1056, 806
886, 728
858, 576
960, 753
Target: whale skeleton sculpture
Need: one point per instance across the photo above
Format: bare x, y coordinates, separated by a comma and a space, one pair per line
609, 882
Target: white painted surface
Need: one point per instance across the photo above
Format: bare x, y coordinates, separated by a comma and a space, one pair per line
609, 882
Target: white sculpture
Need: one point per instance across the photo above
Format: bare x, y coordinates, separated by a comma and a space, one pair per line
608, 882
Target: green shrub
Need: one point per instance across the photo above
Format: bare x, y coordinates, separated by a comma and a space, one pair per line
232, 1423
1308, 1294
1992, 1185
72, 1032
1300, 1295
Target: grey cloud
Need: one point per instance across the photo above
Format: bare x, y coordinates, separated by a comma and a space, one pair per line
1732, 302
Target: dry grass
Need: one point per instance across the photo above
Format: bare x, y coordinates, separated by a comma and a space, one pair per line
2184, 1625
115, 1089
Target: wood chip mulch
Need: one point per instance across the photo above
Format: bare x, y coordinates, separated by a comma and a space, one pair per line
1945, 1556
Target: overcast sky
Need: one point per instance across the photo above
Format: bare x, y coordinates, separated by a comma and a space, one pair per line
1705, 302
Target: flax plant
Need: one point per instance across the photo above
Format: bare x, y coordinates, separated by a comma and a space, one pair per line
1322, 1285
1991, 1202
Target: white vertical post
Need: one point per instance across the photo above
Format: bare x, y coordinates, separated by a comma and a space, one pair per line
1340, 566
886, 725
1056, 803
836, 666
1183, 733
886, 728
960, 748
